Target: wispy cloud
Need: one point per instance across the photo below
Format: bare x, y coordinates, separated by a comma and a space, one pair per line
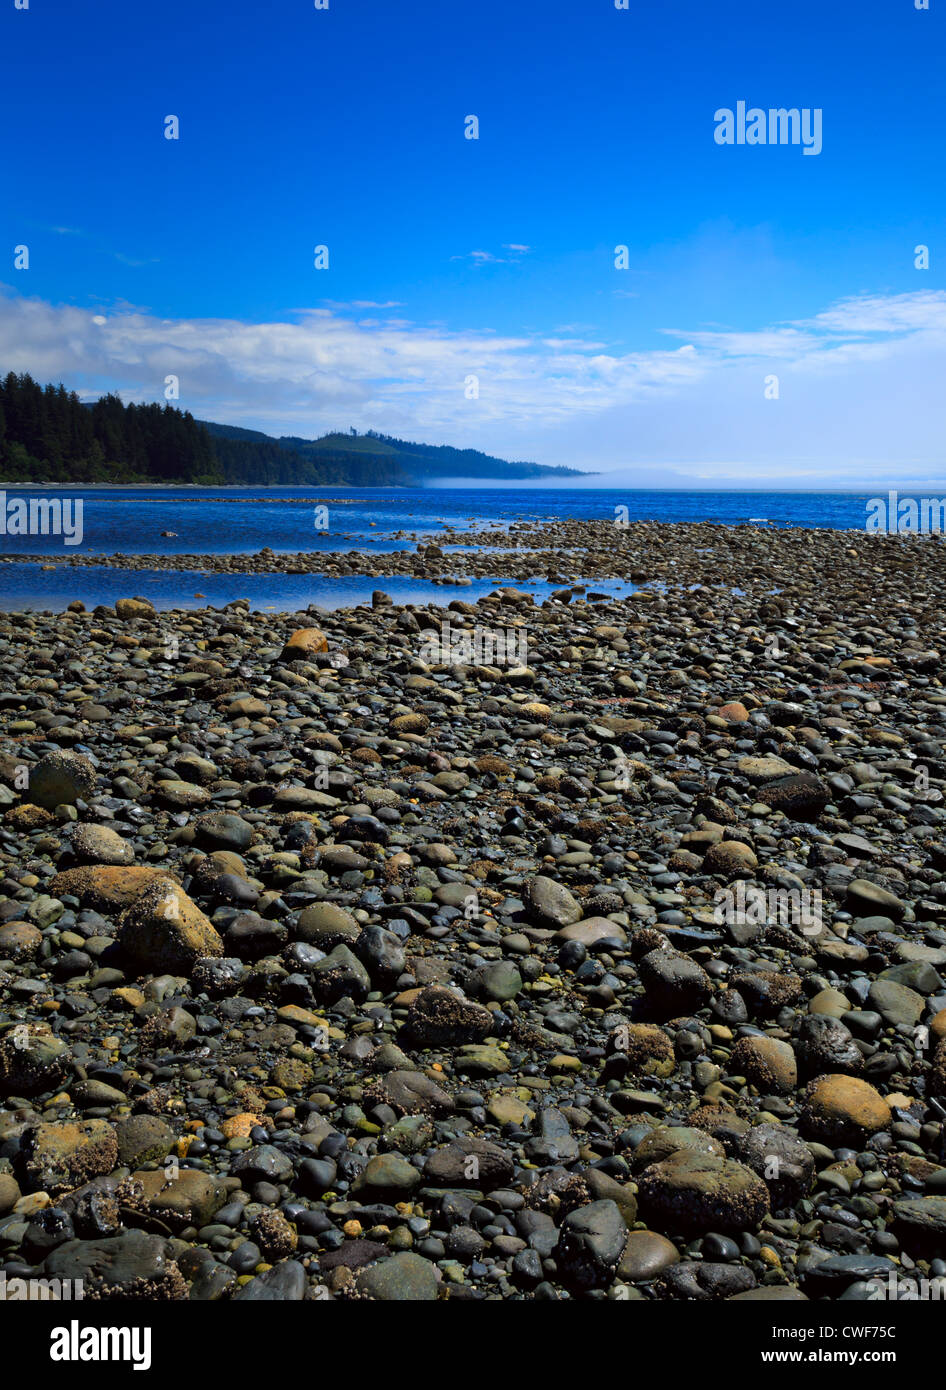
871, 314
516, 250
361, 304
135, 262
785, 343
860, 322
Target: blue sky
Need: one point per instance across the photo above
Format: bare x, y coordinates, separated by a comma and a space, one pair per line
494, 258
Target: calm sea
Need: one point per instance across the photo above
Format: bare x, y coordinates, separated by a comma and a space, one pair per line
242, 520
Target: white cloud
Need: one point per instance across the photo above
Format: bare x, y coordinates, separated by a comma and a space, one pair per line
851, 323
860, 392
899, 313
300, 372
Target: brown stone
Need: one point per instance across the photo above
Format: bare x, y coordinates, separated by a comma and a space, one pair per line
768, 1063
164, 931
730, 859
19, 940
843, 1110
304, 642
127, 608
646, 1255
103, 887
62, 1156
592, 930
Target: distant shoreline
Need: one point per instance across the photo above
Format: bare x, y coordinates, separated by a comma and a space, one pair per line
497, 485
177, 487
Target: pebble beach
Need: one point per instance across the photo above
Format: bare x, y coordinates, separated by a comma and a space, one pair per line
333, 970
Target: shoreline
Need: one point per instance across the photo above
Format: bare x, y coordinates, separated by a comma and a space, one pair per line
528, 484
176, 487
639, 550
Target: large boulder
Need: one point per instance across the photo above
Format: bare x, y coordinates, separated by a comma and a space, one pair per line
826, 1045
164, 932
730, 859
221, 831
801, 796
133, 1265
415, 1093
61, 779
691, 1193
387, 1177
60, 1156
769, 1063
104, 888
469, 1163
304, 643
843, 1110
592, 930
403, 1278
866, 899
440, 1018
19, 940
143, 1139
97, 844
190, 1199
591, 1244
665, 1141
131, 608
675, 985
326, 924
781, 1159
338, 975
920, 1224
32, 1060
550, 904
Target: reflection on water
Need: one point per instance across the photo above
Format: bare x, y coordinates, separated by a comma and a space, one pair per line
28, 586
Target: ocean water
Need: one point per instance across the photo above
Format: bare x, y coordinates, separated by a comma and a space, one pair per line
130, 521
29, 588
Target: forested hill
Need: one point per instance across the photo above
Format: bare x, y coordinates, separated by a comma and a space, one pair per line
48, 435
419, 461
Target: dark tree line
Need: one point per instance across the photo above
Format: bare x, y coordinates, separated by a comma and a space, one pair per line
48, 435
